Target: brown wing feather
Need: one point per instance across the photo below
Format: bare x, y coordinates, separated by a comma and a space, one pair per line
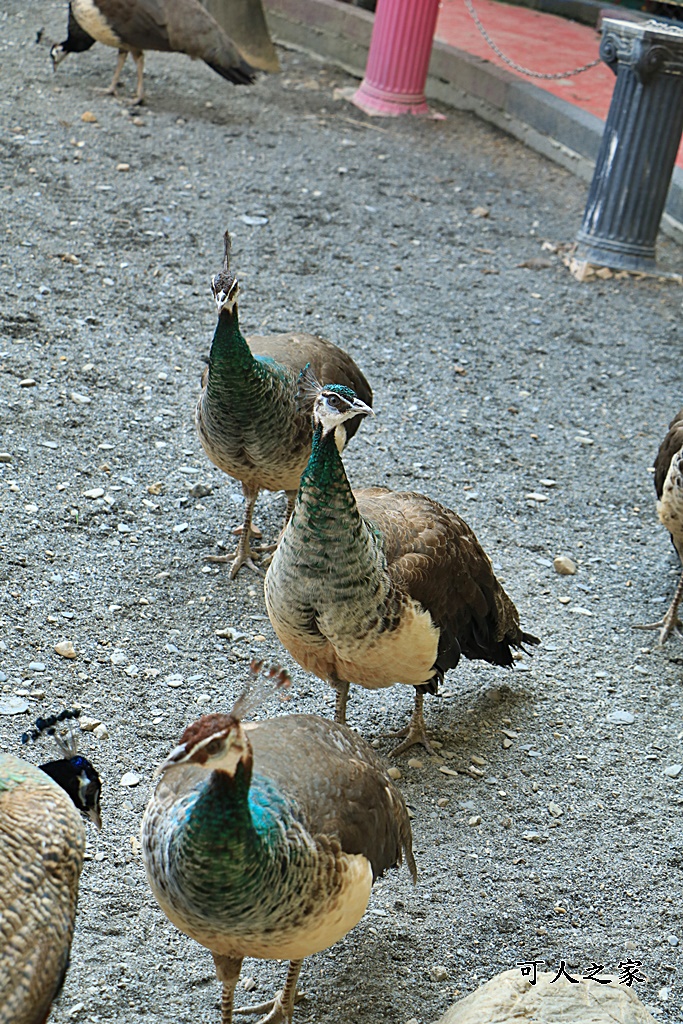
340, 786
672, 443
433, 555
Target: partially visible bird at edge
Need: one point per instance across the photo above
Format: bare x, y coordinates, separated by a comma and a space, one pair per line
377, 587
250, 422
263, 839
668, 481
42, 843
133, 26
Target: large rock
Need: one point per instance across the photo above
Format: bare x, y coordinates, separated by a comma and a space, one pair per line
510, 999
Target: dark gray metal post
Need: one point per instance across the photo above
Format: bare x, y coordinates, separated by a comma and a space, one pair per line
639, 144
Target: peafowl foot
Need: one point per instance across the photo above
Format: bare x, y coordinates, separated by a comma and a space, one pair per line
414, 735
276, 1010
666, 626
415, 732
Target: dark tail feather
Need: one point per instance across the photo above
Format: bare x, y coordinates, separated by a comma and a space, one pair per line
529, 638
241, 73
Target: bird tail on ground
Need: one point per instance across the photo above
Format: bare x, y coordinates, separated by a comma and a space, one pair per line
240, 73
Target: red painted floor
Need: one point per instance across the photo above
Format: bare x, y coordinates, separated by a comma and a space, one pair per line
537, 42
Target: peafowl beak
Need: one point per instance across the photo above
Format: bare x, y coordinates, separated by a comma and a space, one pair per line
177, 756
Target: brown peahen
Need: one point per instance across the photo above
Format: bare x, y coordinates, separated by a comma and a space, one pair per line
669, 488
250, 422
42, 842
379, 587
263, 839
133, 26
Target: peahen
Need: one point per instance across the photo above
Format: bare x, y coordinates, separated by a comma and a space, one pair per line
42, 842
669, 488
379, 587
133, 26
249, 420
263, 839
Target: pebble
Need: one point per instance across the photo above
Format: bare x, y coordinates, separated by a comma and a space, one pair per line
673, 770
228, 633
5, 457
65, 649
564, 565
30, 508
201, 490
89, 117
536, 496
88, 724
129, 779
181, 527
27, 382
74, 1010
446, 771
443, 801
414, 762
555, 810
248, 984
94, 492
564, 600
532, 837
477, 760
101, 732
176, 680
123, 167
80, 399
510, 733
474, 820
672, 940
548, 482
394, 773
118, 657
438, 973
13, 706
36, 666
507, 743
621, 717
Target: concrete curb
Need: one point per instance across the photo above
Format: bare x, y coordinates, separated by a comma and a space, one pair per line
564, 133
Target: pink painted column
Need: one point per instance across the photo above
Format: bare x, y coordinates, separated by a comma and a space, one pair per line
400, 49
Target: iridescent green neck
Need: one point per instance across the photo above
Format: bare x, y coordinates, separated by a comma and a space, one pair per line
230, 353
325, 488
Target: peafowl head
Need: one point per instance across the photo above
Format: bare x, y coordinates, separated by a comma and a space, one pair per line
219, 742
224, 285
335, 405
73, 772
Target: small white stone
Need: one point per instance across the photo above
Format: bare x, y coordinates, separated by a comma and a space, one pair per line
414, 762
394, 773
94, 492
564, 565
673, 770
65, 649
555, 810
129, 779
439, 973
174, 680
118, 657
88, 724
474, 820
101, 732
80, 399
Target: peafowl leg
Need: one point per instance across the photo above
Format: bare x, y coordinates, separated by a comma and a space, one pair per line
139, 58
342, 689
227, 971
416, 731
671, 622
243, 554
279, 1010
111, 89
291, 501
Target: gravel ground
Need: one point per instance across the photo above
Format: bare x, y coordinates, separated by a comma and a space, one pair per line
492, 380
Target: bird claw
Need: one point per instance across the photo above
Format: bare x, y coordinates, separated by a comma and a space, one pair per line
239, 561
254, 531
274, 1009
414, 735
666, 627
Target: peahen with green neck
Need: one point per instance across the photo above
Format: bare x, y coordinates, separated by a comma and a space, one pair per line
263, 839
249, 421
42, 843
377, 587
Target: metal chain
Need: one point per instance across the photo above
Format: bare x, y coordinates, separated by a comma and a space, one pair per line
518, 67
